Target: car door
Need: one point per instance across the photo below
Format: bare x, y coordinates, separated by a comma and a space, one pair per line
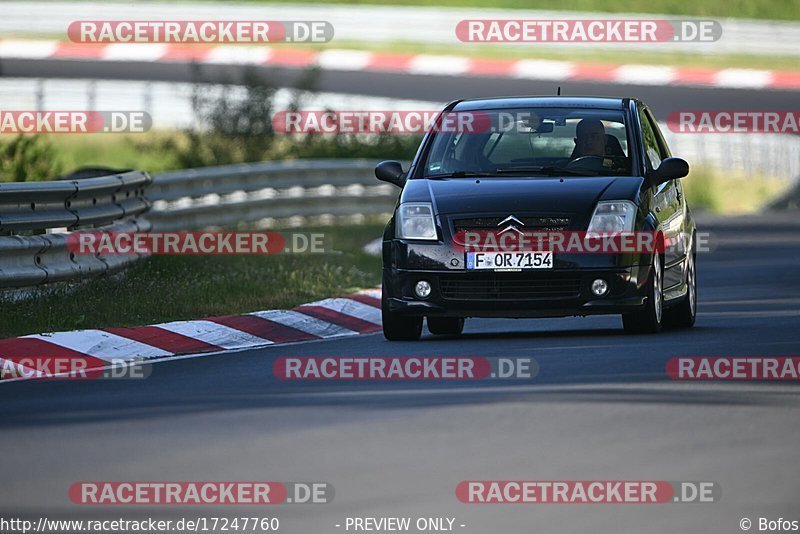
667, 199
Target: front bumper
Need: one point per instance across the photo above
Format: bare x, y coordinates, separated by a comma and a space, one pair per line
562, 291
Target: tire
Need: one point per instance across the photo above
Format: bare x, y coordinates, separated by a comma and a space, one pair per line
446, 326
650, 319
683, 315
399, 327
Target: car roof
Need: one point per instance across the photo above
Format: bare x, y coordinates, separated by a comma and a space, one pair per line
589, 102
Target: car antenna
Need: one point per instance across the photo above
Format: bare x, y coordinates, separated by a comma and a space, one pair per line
559, 91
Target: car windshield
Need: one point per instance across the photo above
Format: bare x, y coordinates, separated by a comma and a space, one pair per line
532, 142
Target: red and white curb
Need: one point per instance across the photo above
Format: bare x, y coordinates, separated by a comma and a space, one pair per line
420, 64
350, 315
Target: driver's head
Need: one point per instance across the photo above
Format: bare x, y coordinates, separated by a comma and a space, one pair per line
591, 138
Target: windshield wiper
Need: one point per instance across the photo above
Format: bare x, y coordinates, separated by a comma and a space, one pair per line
459, 174
547, 170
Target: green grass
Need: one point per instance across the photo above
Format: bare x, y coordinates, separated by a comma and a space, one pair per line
755, 9
167, 288
728, 193
111, 150
751, 9
151, 151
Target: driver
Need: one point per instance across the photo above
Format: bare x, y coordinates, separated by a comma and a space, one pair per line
590, 140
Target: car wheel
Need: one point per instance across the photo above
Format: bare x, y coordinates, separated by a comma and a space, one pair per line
650, 319
446, 326
399, 327
683, 315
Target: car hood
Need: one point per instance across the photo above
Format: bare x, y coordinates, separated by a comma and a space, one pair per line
568, 194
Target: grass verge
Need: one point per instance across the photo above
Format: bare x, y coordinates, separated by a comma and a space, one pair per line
156, 151
169, 288
119, 151
756, 9
730, 193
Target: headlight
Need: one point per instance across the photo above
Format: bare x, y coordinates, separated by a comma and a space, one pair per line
613, 216
415, 221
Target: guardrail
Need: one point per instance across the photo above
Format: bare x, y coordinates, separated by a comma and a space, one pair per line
37, 217
265, 194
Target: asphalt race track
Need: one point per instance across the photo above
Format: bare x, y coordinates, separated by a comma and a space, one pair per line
601, 408
662, 99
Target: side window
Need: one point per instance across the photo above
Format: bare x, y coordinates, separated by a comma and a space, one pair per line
662, 143
665, 153
652, 153
443, 156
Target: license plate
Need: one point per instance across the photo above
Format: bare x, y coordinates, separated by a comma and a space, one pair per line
509, 260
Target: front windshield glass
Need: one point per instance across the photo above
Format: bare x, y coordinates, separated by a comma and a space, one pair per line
533, 142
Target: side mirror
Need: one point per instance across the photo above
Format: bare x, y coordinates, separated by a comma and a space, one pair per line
670, 169
390, 171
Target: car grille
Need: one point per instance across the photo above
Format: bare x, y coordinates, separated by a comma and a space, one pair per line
510, 286
546, 224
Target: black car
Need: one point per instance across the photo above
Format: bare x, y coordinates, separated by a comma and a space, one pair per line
576, 165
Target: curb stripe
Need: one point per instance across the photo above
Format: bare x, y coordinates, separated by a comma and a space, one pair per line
236, 55
786, 80
390, 62
27, 49
134, 52
305, 323
102, 345
439, 65
78, 51
18, 369
543, 69
289, 57
424, 64
347, 321
352, 308
343, 59
163, 339
697, 76
215, 334
15, 349
329, 318
364, 298
645, 75
491, 67
745, 78
187, 53
263, 328
594, 71
376, 293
